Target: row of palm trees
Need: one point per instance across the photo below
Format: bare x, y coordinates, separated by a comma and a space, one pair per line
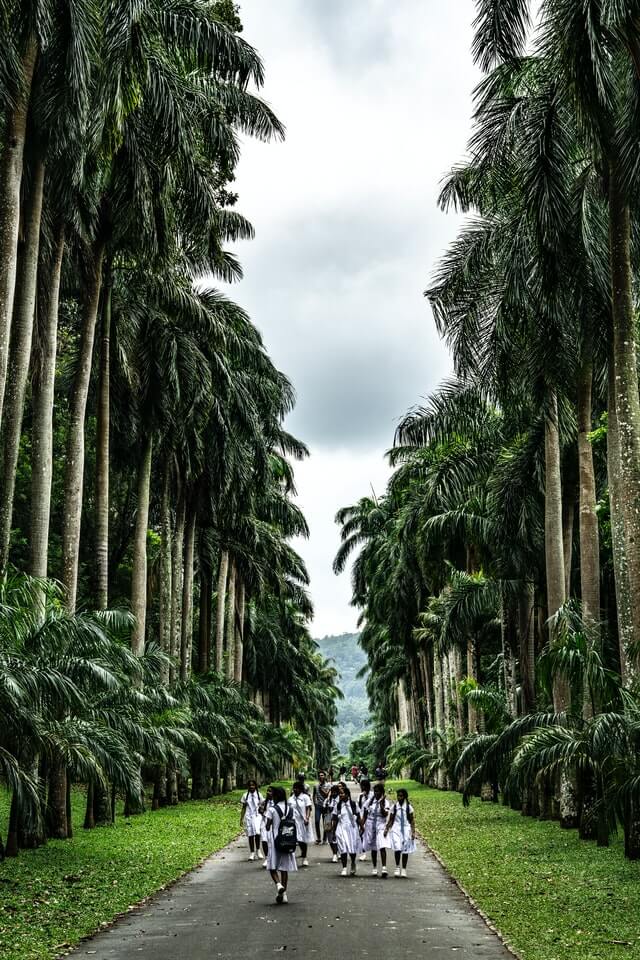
144, 464
498, 576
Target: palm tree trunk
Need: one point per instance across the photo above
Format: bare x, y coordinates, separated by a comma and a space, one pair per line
57, 826
568, 522
554, 541
139, 563
42, 406
589, 535
102, 454
231, 620
508, 630
74, 473
239, 645
626, 384
165, 568
89, 815
19, 356
440, 722
427, 675
204, 620
177, 574
11, 848
526, 634
220, 607
618, 540
15, 131
472, 713
186, 633
418, 699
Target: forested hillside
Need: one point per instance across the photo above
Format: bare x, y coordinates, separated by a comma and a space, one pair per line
353, 711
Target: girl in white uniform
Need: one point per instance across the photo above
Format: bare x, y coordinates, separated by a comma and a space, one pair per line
346, 829
251, 818
366, 795
329, 810
374, 837
302, 805
280, 865
401, 827
265, 835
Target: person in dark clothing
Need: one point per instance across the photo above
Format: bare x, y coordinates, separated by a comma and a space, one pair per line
320, 794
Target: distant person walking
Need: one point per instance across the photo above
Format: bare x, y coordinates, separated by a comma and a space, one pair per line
265, 835
282, 861
329, 826
251, 818
346, 828
374, 834
401, 829
320, 794
301, 805
366, 795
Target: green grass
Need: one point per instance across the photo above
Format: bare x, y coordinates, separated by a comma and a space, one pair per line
52, 897
551, 895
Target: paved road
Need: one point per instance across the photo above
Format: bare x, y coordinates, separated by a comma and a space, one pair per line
226, 909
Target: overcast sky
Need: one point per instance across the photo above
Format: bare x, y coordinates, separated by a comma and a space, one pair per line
376, 98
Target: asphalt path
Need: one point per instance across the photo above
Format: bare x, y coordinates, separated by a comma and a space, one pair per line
226, 909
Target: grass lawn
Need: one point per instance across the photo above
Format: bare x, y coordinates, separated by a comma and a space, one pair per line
552, 896
52, 897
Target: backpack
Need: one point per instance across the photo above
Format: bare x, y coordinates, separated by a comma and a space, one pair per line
286, 839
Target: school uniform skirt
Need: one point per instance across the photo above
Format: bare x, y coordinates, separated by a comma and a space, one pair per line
252, 823
347, 837
402, 841
374, 838
304, 830
275, 859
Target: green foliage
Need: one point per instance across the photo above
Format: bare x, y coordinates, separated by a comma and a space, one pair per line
52, 897
552, 896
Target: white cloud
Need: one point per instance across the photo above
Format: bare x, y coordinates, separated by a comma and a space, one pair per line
377, 102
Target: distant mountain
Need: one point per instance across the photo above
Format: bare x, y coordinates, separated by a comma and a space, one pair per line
353, 711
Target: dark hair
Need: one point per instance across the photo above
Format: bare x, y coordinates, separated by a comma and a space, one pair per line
406, 794
254, 782
298, 783
299, 778
278, 795
379, 786
345, 788
365, 783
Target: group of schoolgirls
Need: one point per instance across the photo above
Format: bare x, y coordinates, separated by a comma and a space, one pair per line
368, 825
275, 825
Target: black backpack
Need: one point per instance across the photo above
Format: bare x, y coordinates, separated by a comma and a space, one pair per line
287, 837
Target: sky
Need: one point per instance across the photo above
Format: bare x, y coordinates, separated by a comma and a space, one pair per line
376, 99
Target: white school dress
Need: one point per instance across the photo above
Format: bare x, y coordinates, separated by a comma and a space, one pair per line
265, 835
400, 833
363, 802
300, 805
377, 816
347, 832
275, 859
252, 816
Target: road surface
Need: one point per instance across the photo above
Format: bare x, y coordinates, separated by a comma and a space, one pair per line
226, 909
